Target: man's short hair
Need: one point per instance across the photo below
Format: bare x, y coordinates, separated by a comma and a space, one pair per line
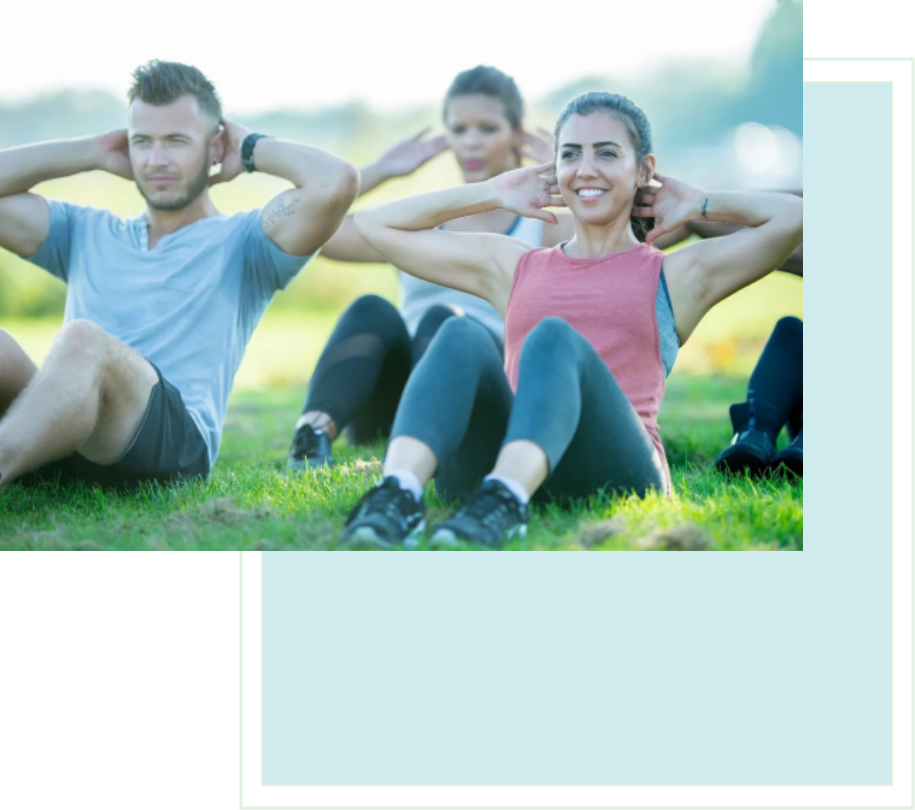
159, 83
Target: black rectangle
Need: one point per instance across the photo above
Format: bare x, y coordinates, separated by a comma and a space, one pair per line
251, 663
902, 678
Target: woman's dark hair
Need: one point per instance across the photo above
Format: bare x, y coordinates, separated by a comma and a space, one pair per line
636, 122
489, 81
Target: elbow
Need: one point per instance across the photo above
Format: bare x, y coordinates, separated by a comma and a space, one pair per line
348, 183
343, 187
338, 187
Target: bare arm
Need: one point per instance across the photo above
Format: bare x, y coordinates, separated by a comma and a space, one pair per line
299, 221
702, 274
346, 245
302, 219
483, 264
402, 159
794, 264
24, 216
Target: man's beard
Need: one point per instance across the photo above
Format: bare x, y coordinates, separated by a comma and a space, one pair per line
195, 189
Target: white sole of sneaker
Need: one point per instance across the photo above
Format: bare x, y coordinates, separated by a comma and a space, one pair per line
447, 540
365, 538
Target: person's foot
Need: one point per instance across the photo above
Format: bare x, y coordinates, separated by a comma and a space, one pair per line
385, 517
792, 457
751, 451
310, 449
489, 516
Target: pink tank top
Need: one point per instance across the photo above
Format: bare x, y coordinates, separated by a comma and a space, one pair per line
611, 302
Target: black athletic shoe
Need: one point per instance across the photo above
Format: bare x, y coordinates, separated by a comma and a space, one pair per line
488, 517
751, 450
310, 449
792, 457
385, 517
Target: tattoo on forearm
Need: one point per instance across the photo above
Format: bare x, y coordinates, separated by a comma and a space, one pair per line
704, 210
282, 208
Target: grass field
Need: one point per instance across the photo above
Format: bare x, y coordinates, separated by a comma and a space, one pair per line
250, 503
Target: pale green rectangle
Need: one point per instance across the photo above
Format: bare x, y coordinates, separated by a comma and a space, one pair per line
902, 225
706, 797
577, 797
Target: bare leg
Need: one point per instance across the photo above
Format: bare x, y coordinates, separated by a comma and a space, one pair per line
90, 396
16, 371
407, 453
319, 420
524, 462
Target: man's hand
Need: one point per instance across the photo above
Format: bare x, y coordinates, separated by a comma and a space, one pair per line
232, 136
114, 155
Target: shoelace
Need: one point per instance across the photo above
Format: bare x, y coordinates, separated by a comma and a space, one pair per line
386, 499
487, 506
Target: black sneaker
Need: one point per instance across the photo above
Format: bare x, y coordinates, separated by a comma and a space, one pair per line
310, 449
792, 457
751, 450
488, 517
385, 517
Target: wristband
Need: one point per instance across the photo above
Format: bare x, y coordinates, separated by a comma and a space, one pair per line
247, 151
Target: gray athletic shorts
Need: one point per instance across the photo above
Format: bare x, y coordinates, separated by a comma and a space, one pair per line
168, 448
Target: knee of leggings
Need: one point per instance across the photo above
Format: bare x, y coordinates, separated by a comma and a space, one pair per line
433, 319
371, 307
789, 325
551, 334
371, 313
460, 336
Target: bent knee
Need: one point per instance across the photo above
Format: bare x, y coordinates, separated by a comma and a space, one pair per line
550, 335
789, 325
459, 335
434, 317
80, 336
86, 345
372, 307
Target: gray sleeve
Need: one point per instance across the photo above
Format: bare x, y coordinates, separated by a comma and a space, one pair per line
54, 253
269, 267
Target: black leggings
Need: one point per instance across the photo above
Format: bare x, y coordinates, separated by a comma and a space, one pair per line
775, 392
458, 402
362, 371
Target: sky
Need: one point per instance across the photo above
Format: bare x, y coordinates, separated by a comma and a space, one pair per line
388, 53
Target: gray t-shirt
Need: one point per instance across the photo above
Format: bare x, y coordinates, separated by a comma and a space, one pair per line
189, 305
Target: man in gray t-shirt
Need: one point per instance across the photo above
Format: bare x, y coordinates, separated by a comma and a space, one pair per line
159, 307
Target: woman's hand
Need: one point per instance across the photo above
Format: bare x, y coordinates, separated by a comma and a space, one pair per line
407, 156
671, 204
528, 191
539, 147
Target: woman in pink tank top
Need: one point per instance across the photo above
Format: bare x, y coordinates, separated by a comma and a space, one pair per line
574, 410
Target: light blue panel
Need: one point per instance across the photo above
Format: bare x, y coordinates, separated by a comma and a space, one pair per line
627, 667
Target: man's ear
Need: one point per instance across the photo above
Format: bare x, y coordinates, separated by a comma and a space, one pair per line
218, 146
